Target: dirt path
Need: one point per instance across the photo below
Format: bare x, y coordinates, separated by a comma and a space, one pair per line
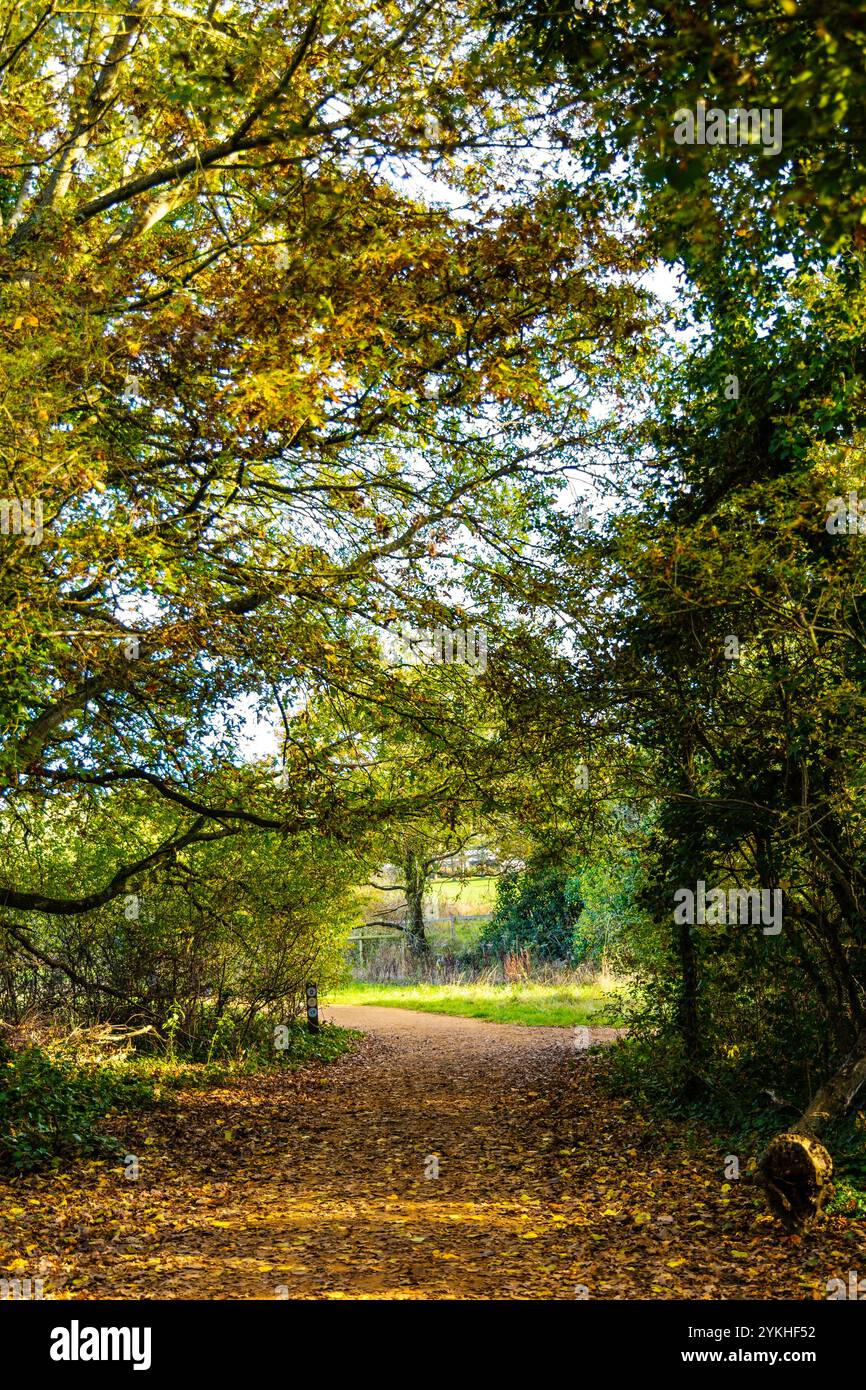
438, 1031
323, 1184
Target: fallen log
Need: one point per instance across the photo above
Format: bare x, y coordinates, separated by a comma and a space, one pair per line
795, 1169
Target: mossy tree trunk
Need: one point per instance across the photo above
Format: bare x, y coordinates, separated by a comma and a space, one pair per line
416, 871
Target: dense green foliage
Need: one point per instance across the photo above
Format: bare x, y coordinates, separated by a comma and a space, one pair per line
50, 1109
536, 911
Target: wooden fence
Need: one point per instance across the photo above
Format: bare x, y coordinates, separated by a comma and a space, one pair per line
361, 935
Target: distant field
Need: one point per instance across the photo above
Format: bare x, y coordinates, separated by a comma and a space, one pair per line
453, 895
554, 1005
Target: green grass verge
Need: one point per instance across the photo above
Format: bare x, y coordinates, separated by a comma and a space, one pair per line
558, 1006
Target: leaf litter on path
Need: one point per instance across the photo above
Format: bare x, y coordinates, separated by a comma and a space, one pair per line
319, 1184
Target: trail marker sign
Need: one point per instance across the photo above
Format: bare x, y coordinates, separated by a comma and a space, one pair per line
312, 1007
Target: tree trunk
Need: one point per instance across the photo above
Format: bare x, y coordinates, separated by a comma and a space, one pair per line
415, 871
795, 1169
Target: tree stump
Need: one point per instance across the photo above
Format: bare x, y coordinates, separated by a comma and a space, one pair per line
795, 1172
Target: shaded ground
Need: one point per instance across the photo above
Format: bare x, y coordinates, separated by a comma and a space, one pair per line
312, 1185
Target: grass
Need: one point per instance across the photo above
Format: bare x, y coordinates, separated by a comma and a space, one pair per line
468, 895
556, 1005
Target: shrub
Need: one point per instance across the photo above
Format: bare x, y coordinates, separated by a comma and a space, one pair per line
536, 911
50, 1109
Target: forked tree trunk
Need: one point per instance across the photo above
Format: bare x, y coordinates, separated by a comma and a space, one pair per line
416, 872
795, 1169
